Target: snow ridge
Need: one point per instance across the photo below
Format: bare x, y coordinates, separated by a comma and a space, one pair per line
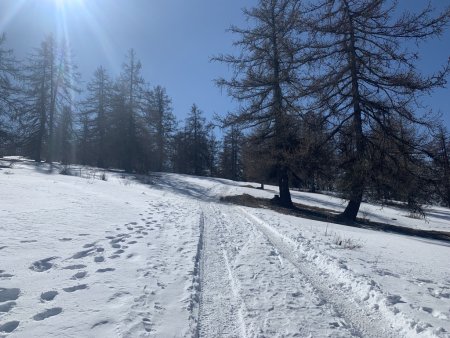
196, 294
370, 309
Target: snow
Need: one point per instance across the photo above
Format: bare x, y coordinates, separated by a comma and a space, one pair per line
162, 257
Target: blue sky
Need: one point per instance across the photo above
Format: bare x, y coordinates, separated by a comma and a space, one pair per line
174, 39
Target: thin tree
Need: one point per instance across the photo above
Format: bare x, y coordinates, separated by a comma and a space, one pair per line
63, 78
231, 155
132, 84
162, 122
197, 138
94, 117
50, 79
363, 73
266, 78
65, 137
34, 115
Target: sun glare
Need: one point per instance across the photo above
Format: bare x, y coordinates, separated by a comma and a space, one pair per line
65, 3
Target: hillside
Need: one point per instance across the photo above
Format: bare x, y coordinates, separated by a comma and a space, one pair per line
162, 256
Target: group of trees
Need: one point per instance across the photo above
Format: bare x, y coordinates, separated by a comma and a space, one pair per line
329, 99
330, 90
113, 123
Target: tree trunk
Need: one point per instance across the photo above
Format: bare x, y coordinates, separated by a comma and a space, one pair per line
280, 123
351, 211
357, 173
283, 183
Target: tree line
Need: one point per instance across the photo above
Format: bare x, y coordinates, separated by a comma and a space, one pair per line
121, 123
329, 98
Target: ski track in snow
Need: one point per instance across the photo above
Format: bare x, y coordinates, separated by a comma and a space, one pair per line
247, 289
362, 320
257, 282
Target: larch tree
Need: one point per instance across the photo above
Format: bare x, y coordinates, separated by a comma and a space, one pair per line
37, 92
94, 115
162, 123
132, 86
231, 155
65, 137
50, 83
197, 139
363, 73
441, 151
9, 91
63, 79
265, 78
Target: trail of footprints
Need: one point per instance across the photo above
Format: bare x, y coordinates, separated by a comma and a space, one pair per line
119, 243
146, 310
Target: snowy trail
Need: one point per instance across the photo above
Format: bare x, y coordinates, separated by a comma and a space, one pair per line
220, 312
363, 320
249, 290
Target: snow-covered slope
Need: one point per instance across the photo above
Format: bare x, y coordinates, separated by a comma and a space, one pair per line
82, 257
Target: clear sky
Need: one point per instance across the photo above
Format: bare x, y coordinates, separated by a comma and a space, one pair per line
174, 39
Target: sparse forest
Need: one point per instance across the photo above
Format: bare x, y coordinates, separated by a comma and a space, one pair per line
161, 176
329, 100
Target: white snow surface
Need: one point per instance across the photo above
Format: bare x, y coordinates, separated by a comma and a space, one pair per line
161, 256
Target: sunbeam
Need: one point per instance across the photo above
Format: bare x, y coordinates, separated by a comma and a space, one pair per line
7, 16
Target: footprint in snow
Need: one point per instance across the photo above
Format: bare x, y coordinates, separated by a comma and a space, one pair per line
74, 267
9, 326
116, 241
148, 326
6, 307
47, 313
102, 322
83, 235
89, 245
423, 280
48, 296
159, 307
43, 264
99, 259
105, 270
9, 294
65, 239
5, 275
79, 275
75, 288
82, 254
394, 299
29, 241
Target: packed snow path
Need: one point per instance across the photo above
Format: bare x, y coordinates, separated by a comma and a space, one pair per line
84, 258
254, 284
